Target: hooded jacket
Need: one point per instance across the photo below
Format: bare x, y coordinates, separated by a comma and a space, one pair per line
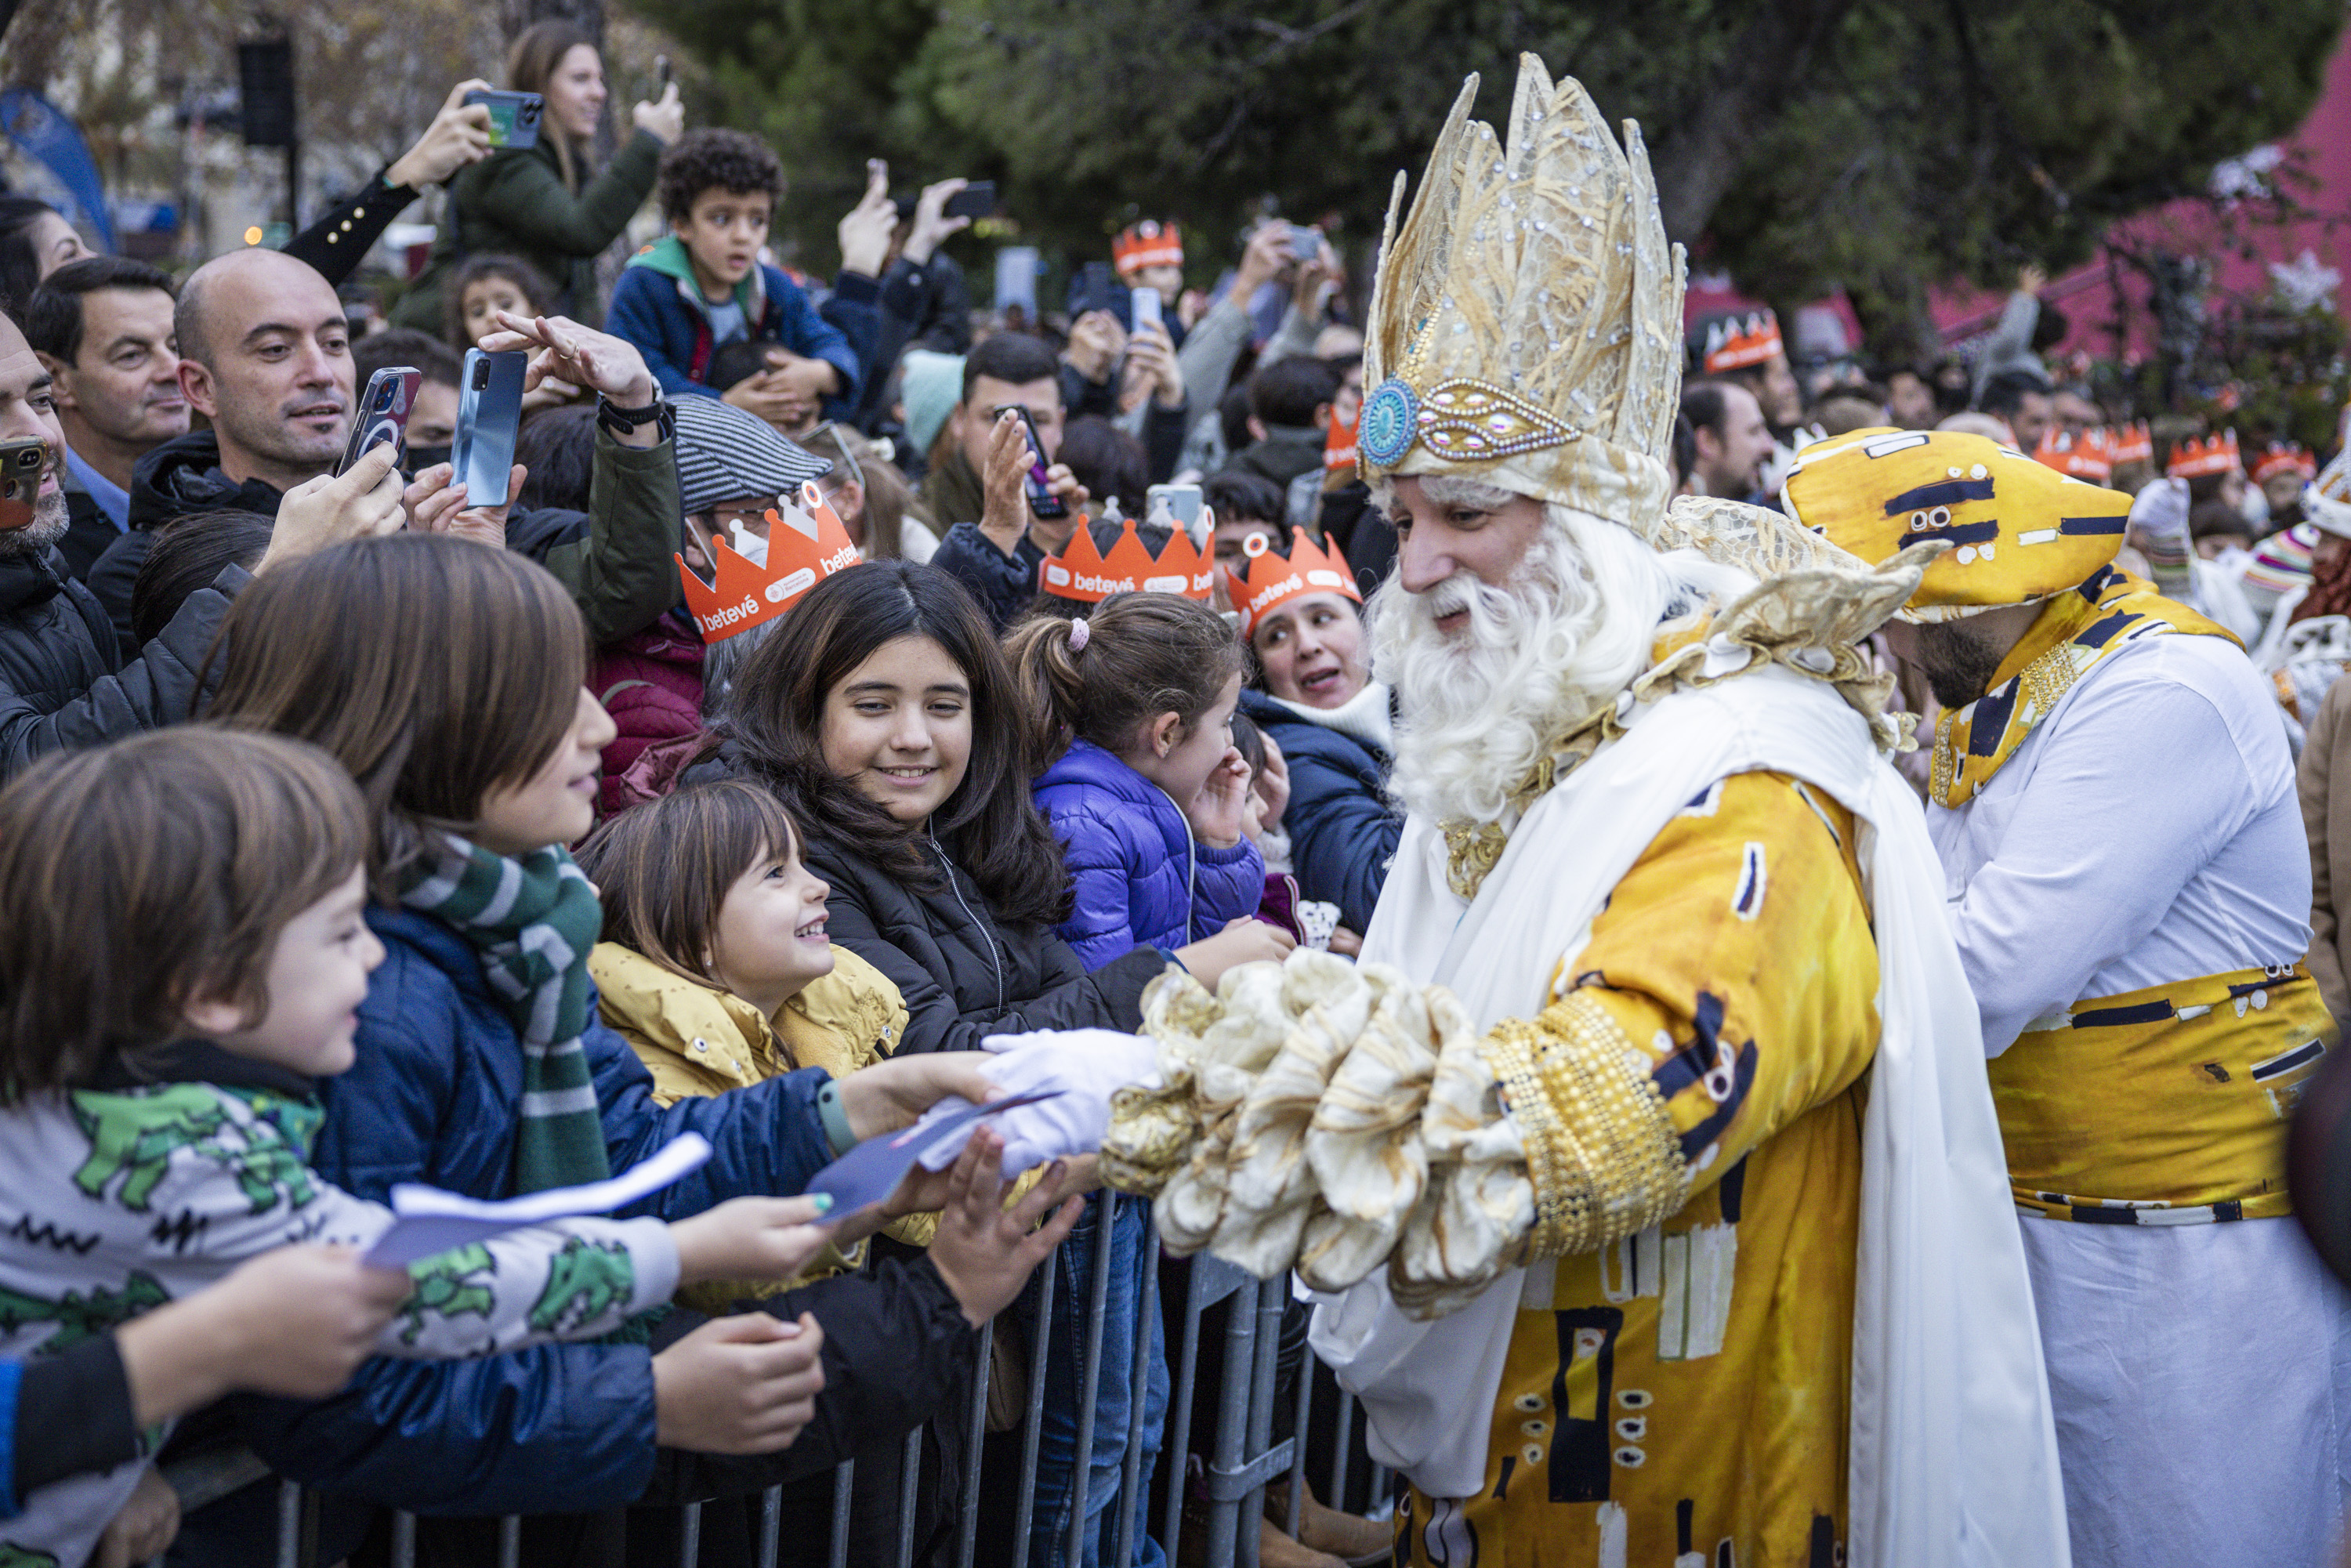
1344, 830
179, 477
1141, 879
63, 681
658, 306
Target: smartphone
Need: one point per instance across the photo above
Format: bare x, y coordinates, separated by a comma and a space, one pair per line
1096, 289
22, 462
513, 116
382, 414
489, 414
1177, 506
1147, 310
662, 75
1305, 243
975, 199
1043, 502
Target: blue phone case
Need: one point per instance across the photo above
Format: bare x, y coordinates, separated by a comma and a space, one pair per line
489, 414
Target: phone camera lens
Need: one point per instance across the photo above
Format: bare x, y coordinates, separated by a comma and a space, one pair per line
383, 398
481, 376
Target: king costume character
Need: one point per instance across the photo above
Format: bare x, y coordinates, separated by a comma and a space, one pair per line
2130, 886
1675, 1135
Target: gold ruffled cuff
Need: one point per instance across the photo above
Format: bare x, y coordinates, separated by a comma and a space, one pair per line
1601, 1149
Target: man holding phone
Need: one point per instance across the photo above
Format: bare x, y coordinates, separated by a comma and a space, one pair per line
995, 549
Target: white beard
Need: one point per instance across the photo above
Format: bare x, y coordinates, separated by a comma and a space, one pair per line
1480, 707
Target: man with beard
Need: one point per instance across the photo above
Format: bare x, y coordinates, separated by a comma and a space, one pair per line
63, 679
2137, 972
1730, 1303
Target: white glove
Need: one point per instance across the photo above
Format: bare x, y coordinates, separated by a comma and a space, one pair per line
1086, 1064
2160, 511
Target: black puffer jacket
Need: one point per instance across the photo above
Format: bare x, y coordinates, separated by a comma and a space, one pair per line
63, 680
963, 975
179, 477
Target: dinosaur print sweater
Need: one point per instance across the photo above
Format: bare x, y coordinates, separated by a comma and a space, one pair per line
120, 1199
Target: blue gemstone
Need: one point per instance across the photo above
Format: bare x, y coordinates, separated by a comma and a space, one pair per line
1390, 422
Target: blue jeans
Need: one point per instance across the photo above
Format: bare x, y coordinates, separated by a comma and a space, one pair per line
1056, 1496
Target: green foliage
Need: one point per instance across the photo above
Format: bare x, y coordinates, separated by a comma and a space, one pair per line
1954, 138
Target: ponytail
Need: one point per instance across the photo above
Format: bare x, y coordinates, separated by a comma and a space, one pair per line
1102, 677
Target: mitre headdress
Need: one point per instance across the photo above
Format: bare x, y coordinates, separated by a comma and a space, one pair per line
1526, 318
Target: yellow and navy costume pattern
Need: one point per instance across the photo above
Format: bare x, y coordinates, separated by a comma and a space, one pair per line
2077, 630
1679, 1378
2163, 1106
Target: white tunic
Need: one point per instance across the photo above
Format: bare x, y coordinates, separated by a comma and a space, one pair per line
2147, 833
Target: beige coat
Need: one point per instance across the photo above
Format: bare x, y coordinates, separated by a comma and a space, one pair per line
2324, 781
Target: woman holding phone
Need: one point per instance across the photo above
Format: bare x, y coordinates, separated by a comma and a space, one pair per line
546, 203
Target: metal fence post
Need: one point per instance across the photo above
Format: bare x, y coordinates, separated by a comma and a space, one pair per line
1301, 1414
1232, 1398
1133, 1495
771, 1525
510, 1540
689, 1536
974, 1450
1090, 1374
1342, 1441
844, 1481
910, 1476
1032, 1425
1266, 1365
290, 1526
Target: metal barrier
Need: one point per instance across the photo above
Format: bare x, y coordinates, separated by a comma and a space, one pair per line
1242, 1462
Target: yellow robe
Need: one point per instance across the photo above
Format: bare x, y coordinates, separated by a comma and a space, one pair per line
1688, 1387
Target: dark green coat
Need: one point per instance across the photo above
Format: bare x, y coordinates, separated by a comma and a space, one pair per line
516, 203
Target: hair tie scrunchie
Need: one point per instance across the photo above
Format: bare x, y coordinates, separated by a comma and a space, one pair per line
1078, 634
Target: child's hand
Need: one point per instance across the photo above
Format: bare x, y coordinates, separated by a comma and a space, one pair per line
740, 1385
750, 1238
1215, 812
146, 1526
1244, 939
984, 1250
1272, 783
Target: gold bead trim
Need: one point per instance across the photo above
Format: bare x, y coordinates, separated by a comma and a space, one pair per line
1602, 1153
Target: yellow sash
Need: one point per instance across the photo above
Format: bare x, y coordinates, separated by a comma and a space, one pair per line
2163, 1106
2077, 629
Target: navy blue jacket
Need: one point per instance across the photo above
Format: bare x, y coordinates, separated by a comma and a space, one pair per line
433, 1098
1140, 879
1343, 829
658, 306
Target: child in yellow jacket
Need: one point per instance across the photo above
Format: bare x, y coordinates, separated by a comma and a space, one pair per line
715, 967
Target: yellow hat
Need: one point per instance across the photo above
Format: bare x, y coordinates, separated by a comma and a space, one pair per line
2022, 530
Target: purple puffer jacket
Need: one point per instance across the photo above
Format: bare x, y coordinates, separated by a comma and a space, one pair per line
651, 685
1140, 879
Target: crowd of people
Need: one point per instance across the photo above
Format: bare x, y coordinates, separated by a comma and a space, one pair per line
1448, 761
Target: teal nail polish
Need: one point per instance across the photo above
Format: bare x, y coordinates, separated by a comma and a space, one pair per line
824, 1203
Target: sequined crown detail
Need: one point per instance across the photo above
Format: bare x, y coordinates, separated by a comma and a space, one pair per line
806, 544
1525, 323
1266, 581
2193, 458
1083, 573
2283, 457
1737, 342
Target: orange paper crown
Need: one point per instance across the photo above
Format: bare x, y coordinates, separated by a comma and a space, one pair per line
1740, 343
1339, 442
806, 544
1148, 244
1082, 573
2089, 456
2192, 458
2285, 457
2133, 443
1266, 581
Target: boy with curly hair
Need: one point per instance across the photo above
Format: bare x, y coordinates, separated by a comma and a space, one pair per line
704, 287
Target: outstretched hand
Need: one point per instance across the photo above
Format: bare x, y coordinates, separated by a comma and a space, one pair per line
436, 506
984, 1250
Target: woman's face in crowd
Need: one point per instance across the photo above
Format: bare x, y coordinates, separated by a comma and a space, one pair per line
485, 296
556, 804
575, 93
55, 243
898, 728
1312, 650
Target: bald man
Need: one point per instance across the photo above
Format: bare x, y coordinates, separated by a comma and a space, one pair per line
266, 356
63, 681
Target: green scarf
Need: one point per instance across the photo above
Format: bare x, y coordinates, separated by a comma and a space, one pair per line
533, 921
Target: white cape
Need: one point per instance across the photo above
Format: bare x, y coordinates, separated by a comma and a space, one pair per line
1954, 1457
